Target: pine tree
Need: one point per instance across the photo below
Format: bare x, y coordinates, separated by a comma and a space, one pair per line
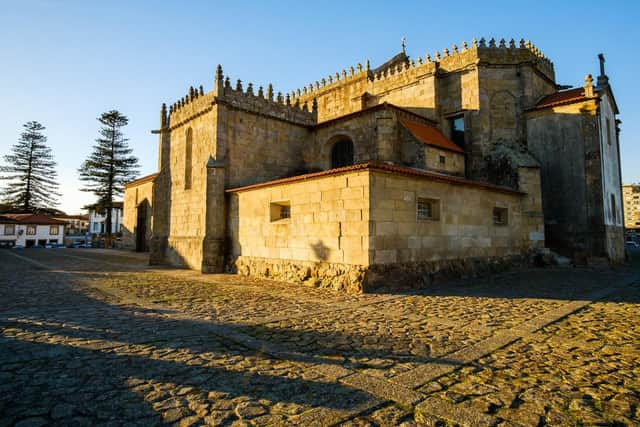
110, 165
31, 172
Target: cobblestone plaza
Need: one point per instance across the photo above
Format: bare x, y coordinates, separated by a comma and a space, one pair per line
96, 337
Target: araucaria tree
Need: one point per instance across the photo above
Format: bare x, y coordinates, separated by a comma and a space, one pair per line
31, 172
110, 164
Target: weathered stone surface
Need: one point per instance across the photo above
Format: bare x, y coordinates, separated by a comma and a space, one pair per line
142, 347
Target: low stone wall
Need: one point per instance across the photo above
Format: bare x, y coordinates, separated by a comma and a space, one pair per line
336, 276
390, 277
415, 275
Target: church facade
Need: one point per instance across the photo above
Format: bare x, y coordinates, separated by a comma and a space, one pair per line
411, 171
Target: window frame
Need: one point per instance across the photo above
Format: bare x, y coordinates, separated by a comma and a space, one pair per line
54, 227
433, 210
12, 227
500, 216
31, 227
280, 211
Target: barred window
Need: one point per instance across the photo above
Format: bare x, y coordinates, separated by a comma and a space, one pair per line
280, 210
53, 230
428, 209
31, 230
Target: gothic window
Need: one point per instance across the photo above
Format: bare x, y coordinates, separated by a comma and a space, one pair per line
188, 159
342, 154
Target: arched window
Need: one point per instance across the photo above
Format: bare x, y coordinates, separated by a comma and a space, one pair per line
188, 158
342, 154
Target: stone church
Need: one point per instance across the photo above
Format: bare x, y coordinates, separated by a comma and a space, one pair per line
415, 170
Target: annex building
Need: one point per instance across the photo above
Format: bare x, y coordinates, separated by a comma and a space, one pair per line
418, 168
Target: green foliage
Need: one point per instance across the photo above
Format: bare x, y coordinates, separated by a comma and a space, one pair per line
30, 170
110, 165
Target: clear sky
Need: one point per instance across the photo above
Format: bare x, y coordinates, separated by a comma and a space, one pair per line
63, 63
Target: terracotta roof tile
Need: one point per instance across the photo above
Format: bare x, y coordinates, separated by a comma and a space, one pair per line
430, 136
561, 98
379, 166
34, 219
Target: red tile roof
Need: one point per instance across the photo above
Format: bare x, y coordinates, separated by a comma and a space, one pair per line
34, 219
561, 98
378, 166
430, 136
141, 180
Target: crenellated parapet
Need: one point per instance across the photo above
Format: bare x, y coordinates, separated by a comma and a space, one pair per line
264, 102
494, 52
332, 82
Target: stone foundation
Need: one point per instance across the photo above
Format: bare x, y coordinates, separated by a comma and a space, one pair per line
359, 279
339, 277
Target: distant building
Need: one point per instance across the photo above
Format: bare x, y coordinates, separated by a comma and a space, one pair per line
30, 230
631, 195
76, 224
98, 218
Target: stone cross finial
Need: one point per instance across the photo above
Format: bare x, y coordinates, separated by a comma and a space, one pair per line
603, 80
588, 86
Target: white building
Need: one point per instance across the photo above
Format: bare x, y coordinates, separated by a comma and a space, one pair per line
97, 219
30, 230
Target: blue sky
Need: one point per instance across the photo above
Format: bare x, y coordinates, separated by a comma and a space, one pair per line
62, 63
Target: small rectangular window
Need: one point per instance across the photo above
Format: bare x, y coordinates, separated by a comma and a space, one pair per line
280, 210
428, 209
500, 216
608, 131
31, 230
53, 230
9, 229
442, 160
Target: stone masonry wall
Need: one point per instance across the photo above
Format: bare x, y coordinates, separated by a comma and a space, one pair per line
324, 242
464, 229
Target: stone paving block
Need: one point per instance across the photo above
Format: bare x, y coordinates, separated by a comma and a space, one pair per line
455, 413
383, 389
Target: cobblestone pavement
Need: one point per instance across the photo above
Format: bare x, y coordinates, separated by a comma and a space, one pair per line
95, 337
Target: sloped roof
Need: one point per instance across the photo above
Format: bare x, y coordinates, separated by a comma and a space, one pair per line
380, 166
4, 219
141, 180
396, 60
430, 136
561, 98
34, 219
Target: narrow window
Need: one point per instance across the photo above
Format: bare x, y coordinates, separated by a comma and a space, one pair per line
9, 229
442, 160
500, 216
608, 131
428, 209
342, 154
53, 230
188, 159
279, 211
456, 127
31, 230
614, 213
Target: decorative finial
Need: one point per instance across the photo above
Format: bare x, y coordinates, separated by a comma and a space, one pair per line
403, 43
492, 42
201, 90
512, 43
522, 44
227, 83
239, 85
260, 92
588, 86
270, 92
503, 43
250, 89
